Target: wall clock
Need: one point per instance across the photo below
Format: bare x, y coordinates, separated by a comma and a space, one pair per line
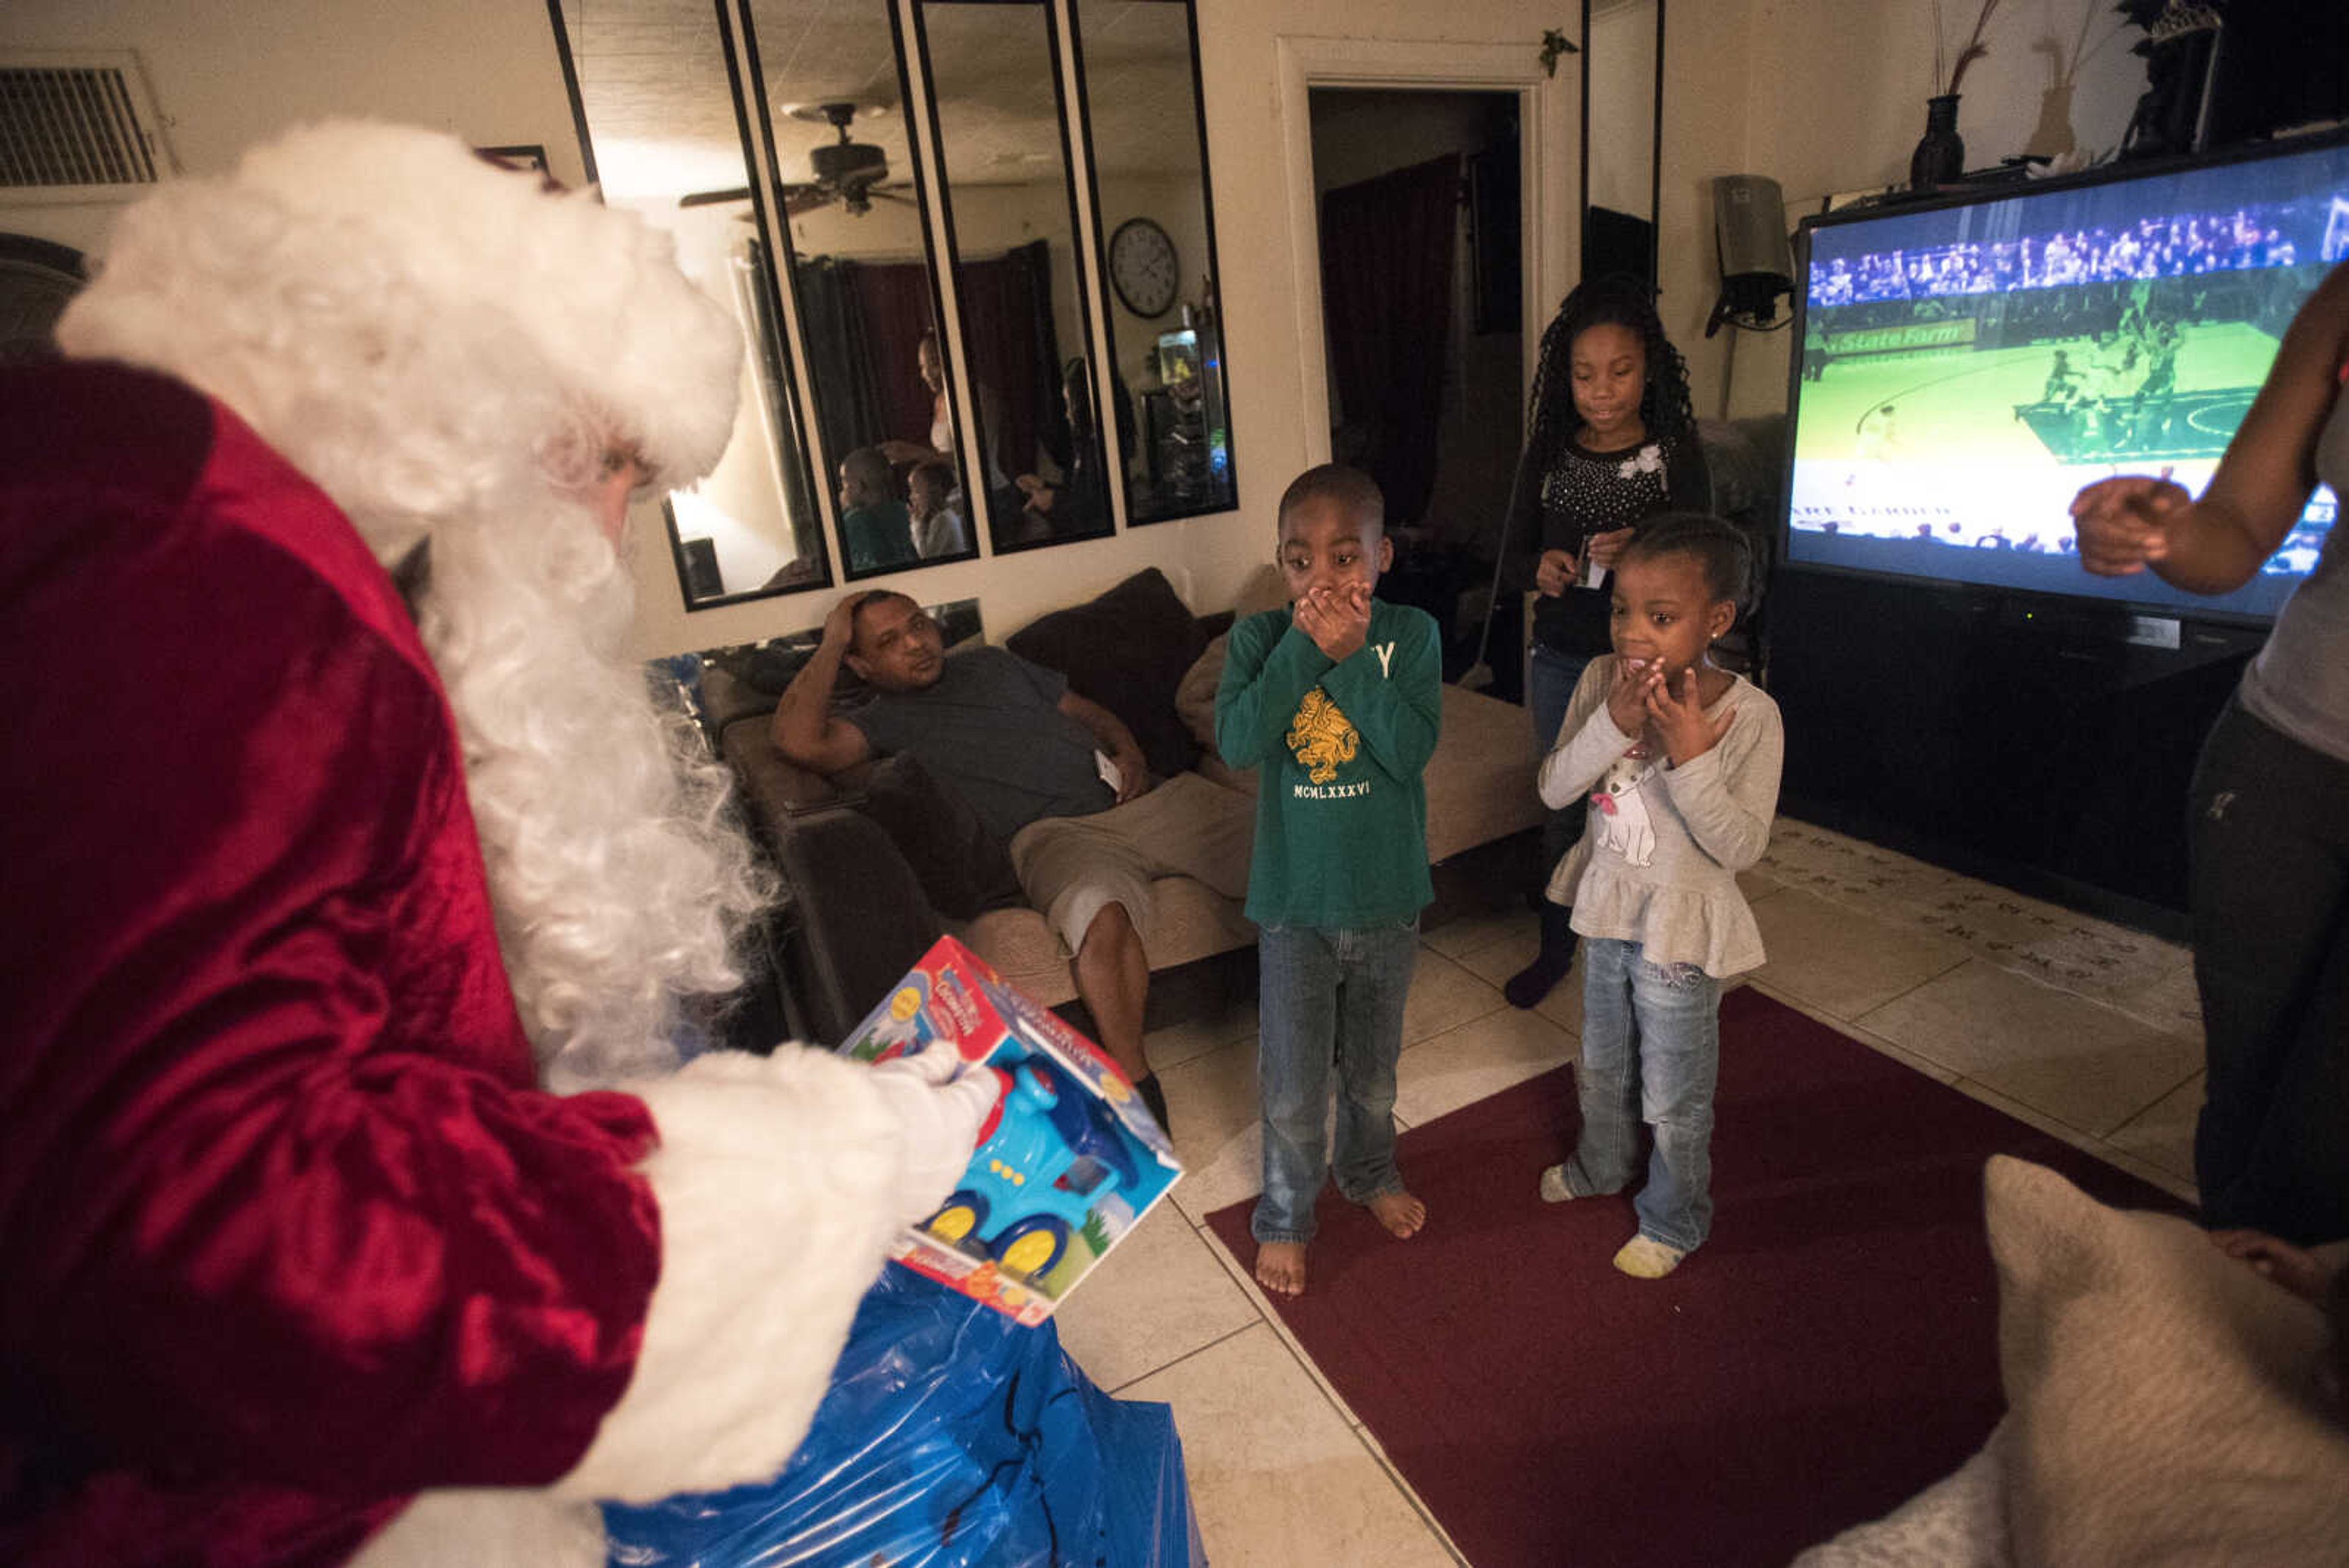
1141, 267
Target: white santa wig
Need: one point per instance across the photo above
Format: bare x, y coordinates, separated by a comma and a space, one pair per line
449, 350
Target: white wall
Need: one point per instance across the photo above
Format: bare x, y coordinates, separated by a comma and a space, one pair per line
1834, 100
1709, 71
226, 76
1823, 95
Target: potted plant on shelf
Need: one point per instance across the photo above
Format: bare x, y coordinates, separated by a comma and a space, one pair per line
1941, 155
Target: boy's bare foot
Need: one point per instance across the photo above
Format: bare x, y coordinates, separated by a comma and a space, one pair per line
1400, 1212
1280, 1267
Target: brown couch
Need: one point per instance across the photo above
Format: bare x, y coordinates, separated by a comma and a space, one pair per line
866, 872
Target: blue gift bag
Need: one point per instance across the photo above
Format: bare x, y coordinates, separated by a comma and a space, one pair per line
951, 1437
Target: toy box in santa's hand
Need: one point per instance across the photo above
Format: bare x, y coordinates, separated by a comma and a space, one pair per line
1068, 1162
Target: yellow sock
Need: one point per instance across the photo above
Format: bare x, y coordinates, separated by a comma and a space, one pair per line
1645, 1257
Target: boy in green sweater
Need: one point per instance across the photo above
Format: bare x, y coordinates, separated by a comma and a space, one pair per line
1336, 700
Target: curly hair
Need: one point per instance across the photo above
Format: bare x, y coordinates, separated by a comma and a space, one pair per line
1719, 550
1626, 301
448, 352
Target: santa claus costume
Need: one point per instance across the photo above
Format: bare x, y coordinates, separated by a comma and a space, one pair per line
315, 895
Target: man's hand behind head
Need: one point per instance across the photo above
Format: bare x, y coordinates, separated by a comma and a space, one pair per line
840, 626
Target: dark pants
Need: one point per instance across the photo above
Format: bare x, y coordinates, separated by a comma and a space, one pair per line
1550, 684
2269, 831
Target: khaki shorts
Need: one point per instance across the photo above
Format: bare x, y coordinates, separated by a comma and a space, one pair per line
1073, 867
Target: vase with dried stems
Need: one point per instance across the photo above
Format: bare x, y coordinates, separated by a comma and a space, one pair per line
1941, 156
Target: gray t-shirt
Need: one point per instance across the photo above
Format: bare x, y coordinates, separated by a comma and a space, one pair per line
991, 726
2299, 684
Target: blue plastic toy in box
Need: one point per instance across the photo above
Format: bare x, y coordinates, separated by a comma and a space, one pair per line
1051, 1151
1069, 1162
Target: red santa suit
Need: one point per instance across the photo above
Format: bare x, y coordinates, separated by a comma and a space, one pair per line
287, 1232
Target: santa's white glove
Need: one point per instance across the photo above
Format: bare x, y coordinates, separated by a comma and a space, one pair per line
941, 1121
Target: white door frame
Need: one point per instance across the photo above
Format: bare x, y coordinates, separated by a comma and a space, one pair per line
1549, 113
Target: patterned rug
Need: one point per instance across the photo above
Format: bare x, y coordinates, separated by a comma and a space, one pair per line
2142, 975
1829, 1353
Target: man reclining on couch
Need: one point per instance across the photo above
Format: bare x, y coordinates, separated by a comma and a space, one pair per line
1021, 748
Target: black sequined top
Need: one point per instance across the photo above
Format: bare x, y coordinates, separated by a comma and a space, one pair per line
1586, 493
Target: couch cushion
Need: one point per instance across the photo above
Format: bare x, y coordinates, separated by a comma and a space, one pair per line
1194, 694
858, 921
2166, 1404
1126, 651
961, 867
773, 786
1480, 782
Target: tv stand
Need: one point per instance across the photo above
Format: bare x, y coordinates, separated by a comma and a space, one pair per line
2044, 744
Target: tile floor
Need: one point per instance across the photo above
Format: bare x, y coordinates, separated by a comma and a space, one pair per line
2076, 1026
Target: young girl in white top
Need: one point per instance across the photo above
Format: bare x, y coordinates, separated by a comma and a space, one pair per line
1680, 759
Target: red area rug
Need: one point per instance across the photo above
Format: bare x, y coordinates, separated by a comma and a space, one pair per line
1830, 1351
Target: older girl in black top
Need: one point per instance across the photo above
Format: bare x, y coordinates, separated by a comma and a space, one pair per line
1610, 442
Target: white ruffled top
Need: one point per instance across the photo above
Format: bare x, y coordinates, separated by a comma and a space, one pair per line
1658, 861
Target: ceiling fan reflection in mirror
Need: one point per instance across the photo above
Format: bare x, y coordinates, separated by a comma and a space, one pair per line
847, 171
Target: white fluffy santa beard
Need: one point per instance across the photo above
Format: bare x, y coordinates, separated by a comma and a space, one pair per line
618, 879
779, 1180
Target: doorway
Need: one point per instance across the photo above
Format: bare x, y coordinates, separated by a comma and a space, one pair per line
1423, 261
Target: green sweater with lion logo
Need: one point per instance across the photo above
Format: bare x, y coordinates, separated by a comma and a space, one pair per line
1341, 748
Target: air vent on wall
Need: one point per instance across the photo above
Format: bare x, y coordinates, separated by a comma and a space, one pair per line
76, 128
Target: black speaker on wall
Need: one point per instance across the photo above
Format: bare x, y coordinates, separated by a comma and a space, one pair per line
1757, 264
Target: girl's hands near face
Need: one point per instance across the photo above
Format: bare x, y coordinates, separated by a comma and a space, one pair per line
1556, 572
1679, 718
1627, 700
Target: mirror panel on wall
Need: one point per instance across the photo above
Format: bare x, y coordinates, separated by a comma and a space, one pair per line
772, 138
827, 76
1623, 89
993, 70
659, 117
1146, 146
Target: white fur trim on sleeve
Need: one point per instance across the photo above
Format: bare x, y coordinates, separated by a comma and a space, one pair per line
779, 1185
488, 1528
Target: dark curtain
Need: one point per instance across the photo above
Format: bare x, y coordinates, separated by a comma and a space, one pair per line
864, 323
896, 300
848, 397
1015, 351
1386, 299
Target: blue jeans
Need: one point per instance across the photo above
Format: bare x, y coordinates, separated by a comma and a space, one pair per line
1328, 998
1549, 686
1650, 1052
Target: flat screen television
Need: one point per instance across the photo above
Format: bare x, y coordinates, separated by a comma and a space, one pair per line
1964, 366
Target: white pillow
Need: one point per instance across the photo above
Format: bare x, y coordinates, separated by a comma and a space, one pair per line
2166, 1404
